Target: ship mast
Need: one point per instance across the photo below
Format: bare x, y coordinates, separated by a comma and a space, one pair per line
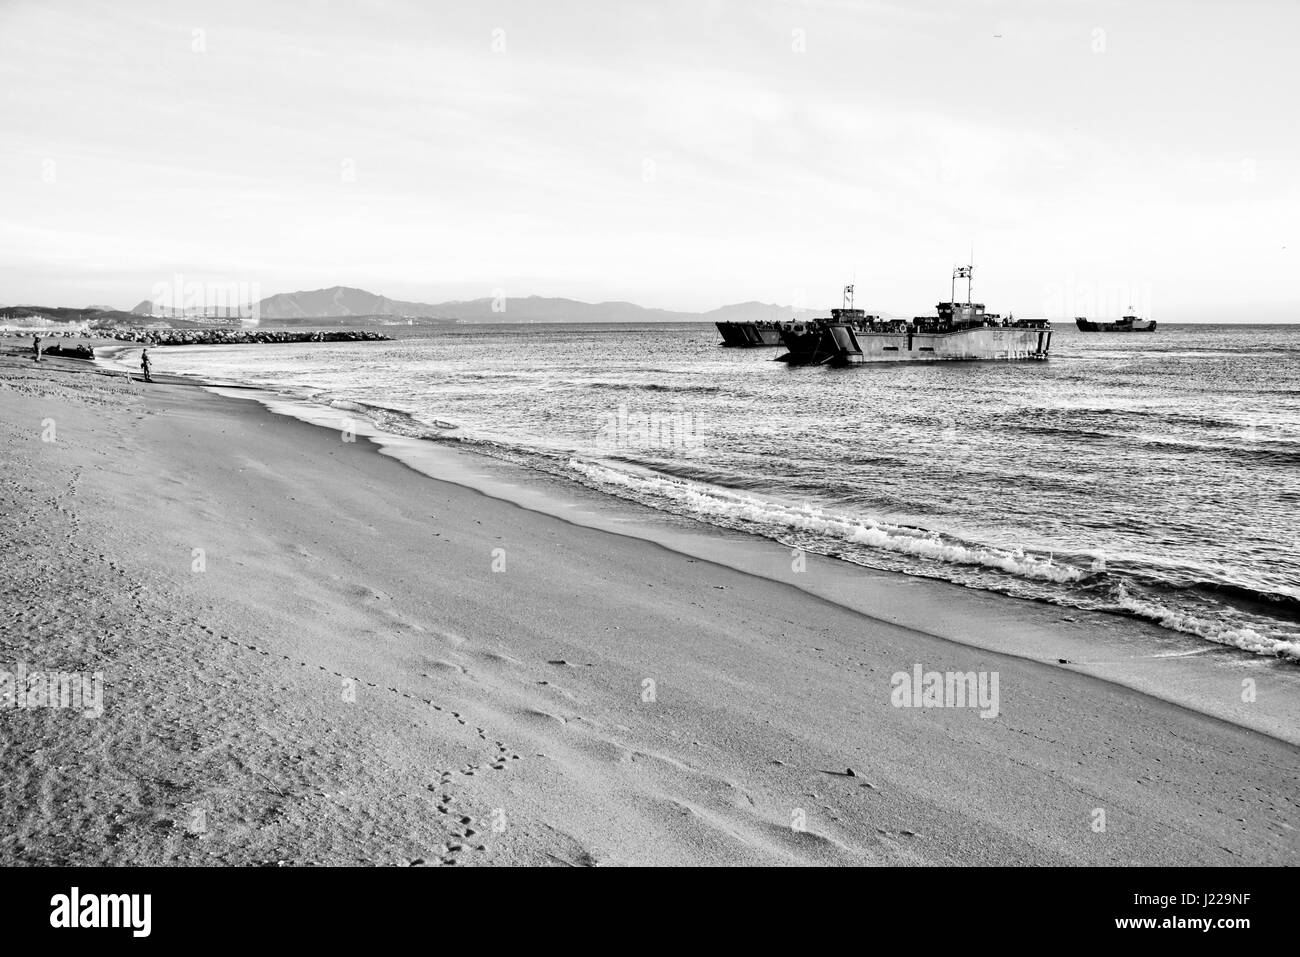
970, 271
960, 272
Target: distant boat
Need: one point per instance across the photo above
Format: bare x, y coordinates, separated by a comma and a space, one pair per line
1125, 324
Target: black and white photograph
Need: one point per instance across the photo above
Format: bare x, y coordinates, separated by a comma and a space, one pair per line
794, 433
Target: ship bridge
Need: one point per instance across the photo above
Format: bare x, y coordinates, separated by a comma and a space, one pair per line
959, 314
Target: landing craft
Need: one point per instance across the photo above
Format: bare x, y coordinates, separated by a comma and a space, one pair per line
749, 335
961, 331
1129, 323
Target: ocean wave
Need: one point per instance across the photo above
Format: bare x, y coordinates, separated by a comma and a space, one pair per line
1261, 454
774, 519
1274, 603
1070, 432
1245, 638
1117, 416
396, 421
693, 473
656, 387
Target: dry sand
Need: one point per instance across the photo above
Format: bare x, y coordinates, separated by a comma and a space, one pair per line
349, 680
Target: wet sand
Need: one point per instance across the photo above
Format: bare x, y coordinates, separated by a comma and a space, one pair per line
313, 653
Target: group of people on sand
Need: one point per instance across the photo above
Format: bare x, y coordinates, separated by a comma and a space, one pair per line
145, 362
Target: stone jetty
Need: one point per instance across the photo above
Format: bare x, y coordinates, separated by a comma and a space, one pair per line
232, 337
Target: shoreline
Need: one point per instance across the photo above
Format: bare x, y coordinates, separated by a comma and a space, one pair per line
325, 562
1133, 653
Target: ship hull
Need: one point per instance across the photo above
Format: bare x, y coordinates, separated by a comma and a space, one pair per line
838, 344
749, 335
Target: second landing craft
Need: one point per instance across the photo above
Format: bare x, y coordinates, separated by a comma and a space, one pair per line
1128, 323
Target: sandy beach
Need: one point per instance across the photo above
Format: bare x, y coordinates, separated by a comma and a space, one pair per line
312, 653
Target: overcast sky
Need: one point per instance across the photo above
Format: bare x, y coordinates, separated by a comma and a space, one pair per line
686, 155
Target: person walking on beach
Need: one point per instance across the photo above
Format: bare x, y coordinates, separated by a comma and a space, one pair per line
36, 347
144, 364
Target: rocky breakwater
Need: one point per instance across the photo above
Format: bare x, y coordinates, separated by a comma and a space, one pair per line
234, 337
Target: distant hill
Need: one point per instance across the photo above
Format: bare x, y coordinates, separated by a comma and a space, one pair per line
343, 301
337, 304
337, 301
544, 309
760, 312
340, 301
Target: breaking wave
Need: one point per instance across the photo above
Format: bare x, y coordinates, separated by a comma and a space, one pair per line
396, 421
774, 520
1245, 638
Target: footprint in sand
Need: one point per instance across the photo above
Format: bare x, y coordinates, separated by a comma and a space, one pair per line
460, 829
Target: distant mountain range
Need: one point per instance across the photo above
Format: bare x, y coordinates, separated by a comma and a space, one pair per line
341, 302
